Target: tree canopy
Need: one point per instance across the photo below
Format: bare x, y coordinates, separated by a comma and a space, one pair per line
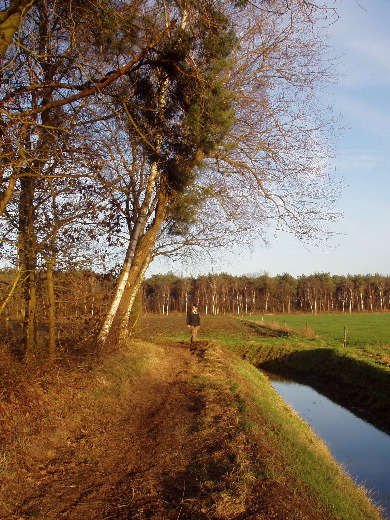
146, 127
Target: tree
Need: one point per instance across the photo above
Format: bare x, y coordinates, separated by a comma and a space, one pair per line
66, 53
10, 20
271, 164
287, 286
180, 112
196, 118
36, 147
45, 76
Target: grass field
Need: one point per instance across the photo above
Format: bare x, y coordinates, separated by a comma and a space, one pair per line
362, 329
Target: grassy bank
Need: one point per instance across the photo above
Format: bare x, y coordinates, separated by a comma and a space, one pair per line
289, 464
356, 376
156, 431
301, 456
357, 372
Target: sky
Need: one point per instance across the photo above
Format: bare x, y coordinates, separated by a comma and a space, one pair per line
361, 37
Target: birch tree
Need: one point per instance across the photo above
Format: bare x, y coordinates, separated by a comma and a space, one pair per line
272, 166
179, 112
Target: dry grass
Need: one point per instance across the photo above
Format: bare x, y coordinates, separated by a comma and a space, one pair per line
45, 413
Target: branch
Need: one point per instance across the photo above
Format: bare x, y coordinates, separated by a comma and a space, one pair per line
103, 83
12, 290
10, 20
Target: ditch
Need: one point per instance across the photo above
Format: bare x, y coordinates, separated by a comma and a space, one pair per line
362, 449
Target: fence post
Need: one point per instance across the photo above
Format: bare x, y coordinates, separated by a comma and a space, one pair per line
345, 337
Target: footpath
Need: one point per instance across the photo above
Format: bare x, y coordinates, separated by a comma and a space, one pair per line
157, 433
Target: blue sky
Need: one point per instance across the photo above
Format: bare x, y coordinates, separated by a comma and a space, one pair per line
362, 96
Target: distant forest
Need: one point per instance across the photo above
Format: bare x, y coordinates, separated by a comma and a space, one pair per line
82, 296
227, 294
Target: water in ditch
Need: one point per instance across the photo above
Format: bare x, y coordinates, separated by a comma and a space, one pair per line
362, 449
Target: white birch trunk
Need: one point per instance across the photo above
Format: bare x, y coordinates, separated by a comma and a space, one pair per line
135, 289
11, 292
137, 230
122, 282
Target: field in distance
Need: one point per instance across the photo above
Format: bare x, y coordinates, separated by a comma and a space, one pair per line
362, 329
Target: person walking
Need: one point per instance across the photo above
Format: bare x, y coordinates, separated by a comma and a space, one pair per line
193, 321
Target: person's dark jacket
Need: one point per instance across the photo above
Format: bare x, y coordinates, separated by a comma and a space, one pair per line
193, 318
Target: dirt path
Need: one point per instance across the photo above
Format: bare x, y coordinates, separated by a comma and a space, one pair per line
126, 464
173, 445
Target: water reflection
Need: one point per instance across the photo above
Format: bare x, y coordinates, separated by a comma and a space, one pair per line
362, 449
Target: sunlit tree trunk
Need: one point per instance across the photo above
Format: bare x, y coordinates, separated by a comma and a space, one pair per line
28, 262
10, 21
128, 264
11, 292
140, 263
124, 327
52, 350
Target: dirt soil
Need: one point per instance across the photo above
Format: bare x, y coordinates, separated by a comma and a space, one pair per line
174, 447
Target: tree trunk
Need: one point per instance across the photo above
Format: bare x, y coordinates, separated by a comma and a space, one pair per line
31, 332
137, 261
120, 288
141, 261
52, 350
28, 262
127, 265
6, 195
124, 328
11, 292
10, 20
138, 229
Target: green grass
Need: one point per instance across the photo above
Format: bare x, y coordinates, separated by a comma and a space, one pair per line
290, 451
292, 456
362, 329
356, 376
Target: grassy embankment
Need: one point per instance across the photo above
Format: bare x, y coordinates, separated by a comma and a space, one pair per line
305, 457
279, 458
311, 349
357, 374
284, 435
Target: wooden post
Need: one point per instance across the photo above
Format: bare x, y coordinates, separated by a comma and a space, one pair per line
345, 337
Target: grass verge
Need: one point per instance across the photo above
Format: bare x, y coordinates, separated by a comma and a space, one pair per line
356, 378
261, 457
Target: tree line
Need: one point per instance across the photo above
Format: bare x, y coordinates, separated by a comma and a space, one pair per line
83, 298
135, 129
263, 294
